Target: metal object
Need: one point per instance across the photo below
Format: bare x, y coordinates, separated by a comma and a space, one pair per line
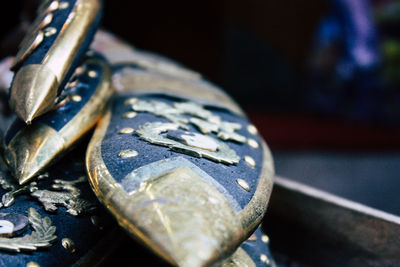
30, 149
47, 55
42, 236
330, 229
178, 195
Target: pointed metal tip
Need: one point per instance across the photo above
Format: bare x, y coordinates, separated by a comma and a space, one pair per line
33, 92
31, 150
24, 179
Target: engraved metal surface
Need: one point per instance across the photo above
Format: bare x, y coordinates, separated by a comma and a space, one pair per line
43, 235
64, 193
181, 114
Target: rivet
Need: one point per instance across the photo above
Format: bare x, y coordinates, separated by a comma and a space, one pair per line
68, 244
32, 264
46, 21
243, 184
253, 143
131, 101
126, 131
252, 129
129, 115
76, 98
129, 153
79, 70
50, 8
264, 258
249, 160
63, 5
43, 176
92, 74
49, 31
265, 238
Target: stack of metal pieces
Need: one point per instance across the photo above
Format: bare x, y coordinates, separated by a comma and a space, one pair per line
172, 159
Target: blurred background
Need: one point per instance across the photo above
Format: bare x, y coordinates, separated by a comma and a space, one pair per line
320, 79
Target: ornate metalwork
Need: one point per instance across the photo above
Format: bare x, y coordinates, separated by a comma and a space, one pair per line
181, 114
67, 195
42, 236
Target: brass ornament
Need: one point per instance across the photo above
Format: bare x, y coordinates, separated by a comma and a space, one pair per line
250, 161
43, 235
67, 194
252, 129
243, 184
190, 143
265, 239
68, 244
49, 31
129, 153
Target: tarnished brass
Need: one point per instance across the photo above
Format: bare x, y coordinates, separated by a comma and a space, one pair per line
253, 143
265, 239
32, 264
130, 153
243, 184
36, 146
147, 216
239, 259
49, 31
175, 213
25, 90
42, 236
129, 79
118, 52
249, 160
68, 244
252, 129
188, 142
142, 209
44, 79
126, 131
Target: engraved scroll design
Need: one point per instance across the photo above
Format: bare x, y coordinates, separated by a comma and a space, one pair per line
42, 235
177, 136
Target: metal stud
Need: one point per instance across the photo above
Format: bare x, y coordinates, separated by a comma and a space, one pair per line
129, 153
32, 264
79, 70
63, 5
129, 115
46, 21
252, 129
253, 143
49, 31
68, 244
264, 258
92, 74
76, 98
131, 101
27, 47
50, 8
249, 160
126, 131
243, 184
265, 239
